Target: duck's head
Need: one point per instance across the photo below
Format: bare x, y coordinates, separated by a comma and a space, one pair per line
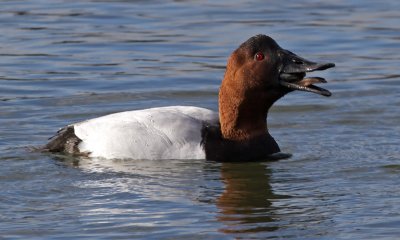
258, 73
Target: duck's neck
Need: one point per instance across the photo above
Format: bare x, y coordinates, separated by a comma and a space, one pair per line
243, 117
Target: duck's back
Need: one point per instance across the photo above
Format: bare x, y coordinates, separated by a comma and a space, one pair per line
156, 133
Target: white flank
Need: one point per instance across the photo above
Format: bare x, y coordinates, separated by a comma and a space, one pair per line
155, 133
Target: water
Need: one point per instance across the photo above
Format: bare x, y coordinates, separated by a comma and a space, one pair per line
66, 61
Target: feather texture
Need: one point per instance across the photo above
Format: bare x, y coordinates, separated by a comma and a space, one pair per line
155, 133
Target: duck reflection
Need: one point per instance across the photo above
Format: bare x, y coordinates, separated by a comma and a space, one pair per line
243, 207
245, 204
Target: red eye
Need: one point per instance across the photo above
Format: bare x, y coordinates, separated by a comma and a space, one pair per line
259, 56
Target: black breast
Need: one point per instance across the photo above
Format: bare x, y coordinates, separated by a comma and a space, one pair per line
222, 150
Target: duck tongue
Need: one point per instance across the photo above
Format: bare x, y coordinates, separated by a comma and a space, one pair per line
306, 84
311, 80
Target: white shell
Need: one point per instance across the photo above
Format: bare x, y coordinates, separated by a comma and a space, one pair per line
155, 133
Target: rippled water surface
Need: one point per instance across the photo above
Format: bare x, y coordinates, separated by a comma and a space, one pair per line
66, 61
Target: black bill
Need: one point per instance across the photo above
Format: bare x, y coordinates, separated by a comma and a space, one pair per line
294, 70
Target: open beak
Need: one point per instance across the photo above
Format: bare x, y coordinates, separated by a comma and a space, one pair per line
294, 70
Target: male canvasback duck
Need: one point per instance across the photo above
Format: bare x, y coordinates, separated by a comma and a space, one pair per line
258, 73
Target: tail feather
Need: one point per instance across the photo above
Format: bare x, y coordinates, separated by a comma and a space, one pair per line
64, 141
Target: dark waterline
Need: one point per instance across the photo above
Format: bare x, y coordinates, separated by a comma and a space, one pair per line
65, 61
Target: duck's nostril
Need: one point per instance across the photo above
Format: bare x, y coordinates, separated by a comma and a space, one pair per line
296, 61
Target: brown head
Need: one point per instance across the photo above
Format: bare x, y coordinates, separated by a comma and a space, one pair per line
258, 73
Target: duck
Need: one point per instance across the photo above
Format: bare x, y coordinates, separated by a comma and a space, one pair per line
258, 73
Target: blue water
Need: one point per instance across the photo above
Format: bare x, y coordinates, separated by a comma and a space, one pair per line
66, 61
